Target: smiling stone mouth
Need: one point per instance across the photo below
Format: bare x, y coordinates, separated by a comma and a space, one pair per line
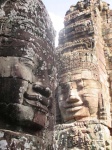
23, 115
37, 97
73, 105
37, 104
40, 102
73, 109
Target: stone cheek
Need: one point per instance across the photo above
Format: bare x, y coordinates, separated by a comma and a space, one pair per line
82, 135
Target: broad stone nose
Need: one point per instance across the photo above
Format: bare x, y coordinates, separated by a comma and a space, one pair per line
43, 90
73, 96
39, 93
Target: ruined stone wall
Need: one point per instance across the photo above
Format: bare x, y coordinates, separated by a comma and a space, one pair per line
107, 35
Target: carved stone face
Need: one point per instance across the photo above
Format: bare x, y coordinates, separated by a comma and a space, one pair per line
26, 90
26, 65
78, 98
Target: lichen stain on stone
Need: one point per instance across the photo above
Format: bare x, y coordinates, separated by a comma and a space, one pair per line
3, 145
1, 134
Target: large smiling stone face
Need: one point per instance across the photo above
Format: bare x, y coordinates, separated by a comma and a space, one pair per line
26, 65
26, 90
78, 98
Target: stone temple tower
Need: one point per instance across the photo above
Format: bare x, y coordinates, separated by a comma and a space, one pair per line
84, 63
26, 76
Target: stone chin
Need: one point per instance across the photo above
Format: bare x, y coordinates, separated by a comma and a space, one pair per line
23, 105
31, 114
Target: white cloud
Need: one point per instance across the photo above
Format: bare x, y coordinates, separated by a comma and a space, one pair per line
57, 23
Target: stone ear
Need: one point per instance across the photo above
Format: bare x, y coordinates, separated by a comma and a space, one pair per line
99, 103
100, 100
102, 111
58, 113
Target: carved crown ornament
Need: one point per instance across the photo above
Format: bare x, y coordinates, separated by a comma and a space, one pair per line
72, 61
85, 43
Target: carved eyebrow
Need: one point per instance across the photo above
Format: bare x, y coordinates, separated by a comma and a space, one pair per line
89, 95
92, 83
70, 81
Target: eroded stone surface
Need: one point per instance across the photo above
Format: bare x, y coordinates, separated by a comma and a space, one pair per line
86, 135
84, 69
17, 141
27, 73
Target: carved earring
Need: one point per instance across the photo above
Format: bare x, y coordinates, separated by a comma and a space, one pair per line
101, 106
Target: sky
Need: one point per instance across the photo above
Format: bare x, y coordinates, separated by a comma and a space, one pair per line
57, 10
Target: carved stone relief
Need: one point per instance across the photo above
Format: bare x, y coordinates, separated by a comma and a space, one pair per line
85, 43
86, 135
83, 92
27, 75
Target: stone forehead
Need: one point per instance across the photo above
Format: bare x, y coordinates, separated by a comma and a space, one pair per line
77, 75
81, 80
